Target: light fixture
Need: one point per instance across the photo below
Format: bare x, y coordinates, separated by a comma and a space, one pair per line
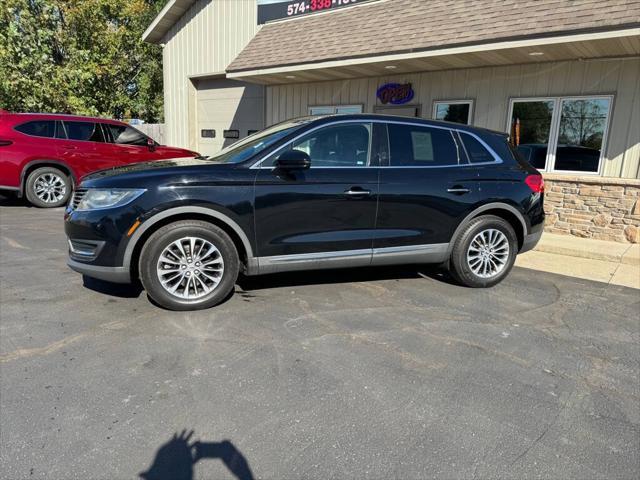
535, 54
390, 67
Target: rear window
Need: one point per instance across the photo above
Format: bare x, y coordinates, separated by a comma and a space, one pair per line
414, 145
39, 128
85, 131
476, 152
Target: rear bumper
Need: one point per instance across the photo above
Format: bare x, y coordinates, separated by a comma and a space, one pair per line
530, 241
109, 274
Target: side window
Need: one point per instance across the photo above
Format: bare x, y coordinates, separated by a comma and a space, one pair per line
341, 145
124, 135
476, 152
40, 128
84, 131
414, 145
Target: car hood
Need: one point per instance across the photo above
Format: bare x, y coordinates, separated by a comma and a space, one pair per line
145, 166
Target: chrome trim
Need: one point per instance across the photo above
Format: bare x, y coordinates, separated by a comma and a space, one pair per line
429, 253
458, 190
317, 260
498, 160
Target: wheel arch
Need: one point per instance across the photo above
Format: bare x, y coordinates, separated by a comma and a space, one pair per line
499, 209
151, 225
33, 164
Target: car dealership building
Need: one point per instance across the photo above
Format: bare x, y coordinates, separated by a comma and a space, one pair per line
561, 76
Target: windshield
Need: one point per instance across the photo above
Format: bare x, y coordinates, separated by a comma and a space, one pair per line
256, 143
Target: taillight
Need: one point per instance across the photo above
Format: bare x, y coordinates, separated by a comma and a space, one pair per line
4, 143
535, 183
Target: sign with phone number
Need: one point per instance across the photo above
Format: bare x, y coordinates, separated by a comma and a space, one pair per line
274, 9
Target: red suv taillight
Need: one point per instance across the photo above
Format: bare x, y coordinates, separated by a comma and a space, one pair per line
535, 183
4, 143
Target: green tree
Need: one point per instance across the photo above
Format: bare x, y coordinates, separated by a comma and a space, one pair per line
80, 56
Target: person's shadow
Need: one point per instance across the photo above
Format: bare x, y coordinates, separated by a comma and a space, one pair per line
176, 458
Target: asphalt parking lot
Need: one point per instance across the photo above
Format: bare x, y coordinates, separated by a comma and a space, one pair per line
374, 373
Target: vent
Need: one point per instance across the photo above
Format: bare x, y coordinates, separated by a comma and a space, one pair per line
78, 195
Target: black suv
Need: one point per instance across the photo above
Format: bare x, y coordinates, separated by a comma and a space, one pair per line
319, 192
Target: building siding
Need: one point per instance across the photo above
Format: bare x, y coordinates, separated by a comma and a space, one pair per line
204, 41
491, 88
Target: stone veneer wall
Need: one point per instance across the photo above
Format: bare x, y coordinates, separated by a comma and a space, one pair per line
603, 208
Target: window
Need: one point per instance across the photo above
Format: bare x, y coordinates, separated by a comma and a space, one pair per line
40, 128
123, 135
341, 145
332, 109
561, 134
476, 152
86, 131
457, 111
414, 145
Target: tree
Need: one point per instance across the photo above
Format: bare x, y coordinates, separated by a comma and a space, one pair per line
80, 56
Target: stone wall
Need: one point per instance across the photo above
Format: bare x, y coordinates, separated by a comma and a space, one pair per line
593, 207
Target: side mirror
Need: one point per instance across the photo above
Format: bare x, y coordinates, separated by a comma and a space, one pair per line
151, 144
293, 160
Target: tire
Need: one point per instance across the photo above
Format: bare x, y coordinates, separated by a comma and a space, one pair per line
48, 187
486, 263
184, 272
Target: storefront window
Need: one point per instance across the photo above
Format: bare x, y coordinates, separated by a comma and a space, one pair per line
333, 109
560, 134
457, 111
531, 129
583, 123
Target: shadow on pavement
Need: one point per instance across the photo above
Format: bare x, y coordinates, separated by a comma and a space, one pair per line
14, 201
122, 290
350, 275
175, 459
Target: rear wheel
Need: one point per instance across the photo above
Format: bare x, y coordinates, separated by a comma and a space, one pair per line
188, 265
47, 187
484, 253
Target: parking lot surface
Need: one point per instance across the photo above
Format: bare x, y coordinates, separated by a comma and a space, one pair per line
371, 373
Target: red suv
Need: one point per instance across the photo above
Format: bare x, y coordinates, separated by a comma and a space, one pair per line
42, 155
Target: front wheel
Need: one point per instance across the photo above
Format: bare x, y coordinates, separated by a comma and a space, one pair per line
47, 187
188, 265
484, 253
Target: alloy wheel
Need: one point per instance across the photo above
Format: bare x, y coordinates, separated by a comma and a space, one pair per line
488, 253
190, 268
49, 187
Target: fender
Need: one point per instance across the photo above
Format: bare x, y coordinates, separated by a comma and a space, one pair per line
150, 222
484, 208
44, 161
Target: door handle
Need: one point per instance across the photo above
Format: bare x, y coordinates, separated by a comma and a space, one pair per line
357, 192
458, 190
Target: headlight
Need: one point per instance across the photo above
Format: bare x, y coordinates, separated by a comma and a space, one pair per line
98, 198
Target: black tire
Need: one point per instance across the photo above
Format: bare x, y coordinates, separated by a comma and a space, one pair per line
460, 268
165, 236
48, 200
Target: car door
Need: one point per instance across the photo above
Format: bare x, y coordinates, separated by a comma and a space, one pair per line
129, 144
327, 211
425, 190
83, 147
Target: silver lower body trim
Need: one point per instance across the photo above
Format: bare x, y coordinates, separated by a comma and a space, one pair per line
434, 253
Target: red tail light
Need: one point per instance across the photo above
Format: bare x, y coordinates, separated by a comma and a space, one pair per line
535, 183
4, 143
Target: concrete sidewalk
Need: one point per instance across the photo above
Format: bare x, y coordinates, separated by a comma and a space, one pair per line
610, 262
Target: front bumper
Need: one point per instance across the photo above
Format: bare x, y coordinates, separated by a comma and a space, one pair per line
109, 274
